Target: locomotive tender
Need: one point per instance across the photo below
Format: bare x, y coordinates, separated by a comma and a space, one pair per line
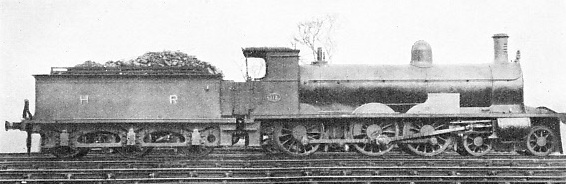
422, 108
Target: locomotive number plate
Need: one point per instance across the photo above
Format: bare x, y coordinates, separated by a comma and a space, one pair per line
273, 97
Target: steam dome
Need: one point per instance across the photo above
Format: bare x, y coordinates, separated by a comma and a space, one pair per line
421, 54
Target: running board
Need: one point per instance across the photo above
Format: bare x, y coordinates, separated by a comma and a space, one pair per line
387, 140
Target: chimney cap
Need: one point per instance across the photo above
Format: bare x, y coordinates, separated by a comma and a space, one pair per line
500, 35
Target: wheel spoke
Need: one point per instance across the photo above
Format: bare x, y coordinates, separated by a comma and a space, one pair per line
375, 149
393, 132
364, 146
438, 127
386, 126
419, 125
286, 141
431, 148
312, 127
415, 130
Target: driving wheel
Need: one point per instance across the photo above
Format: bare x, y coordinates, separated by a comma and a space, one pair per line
292, 137
428, 145
378, 134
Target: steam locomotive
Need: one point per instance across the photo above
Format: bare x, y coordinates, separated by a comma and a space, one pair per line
421, 108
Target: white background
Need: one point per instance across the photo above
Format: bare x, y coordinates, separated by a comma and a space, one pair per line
37, 35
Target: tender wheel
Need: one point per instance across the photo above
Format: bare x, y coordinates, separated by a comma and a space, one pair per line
428, 146
195, 151
162, 137
540, 141
475, 144
99, 137
69, 152
292, 138
209, 137
134, 151
379, 133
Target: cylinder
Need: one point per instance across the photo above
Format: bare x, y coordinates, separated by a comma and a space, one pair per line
500, 48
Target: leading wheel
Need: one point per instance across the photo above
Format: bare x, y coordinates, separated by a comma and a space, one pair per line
134, 151
69, 152
378, 134
540, 141
475, 144
429, 145
292, 138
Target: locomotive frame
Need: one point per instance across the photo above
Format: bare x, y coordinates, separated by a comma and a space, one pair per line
421, 108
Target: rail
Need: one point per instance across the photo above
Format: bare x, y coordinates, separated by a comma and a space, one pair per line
394, 168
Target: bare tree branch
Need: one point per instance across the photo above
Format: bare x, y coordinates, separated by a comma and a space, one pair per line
317, 33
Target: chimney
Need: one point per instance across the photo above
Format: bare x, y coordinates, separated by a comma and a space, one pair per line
320, 60
500, 48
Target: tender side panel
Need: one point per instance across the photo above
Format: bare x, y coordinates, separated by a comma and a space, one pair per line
121, 97
242, 95
227, 98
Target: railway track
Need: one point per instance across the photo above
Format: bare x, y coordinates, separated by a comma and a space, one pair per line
319, 168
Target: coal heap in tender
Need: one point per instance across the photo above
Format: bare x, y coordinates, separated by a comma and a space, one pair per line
159, 60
